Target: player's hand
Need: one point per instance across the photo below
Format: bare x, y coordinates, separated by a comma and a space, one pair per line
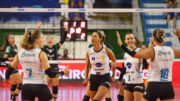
113, 64
177, 32
119, 38
6, 81
66, 71
65, 25
143, 47
118, 84
38, 26
85, 82
89, 75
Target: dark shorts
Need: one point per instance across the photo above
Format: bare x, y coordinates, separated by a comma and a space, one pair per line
99, 80
30, 91
54, 67
134, 87
162, 90
15, 71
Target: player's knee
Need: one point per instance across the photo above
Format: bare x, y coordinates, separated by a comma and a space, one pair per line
108, 99
55, 89
86, 98
20, 86
13, 87
120, 98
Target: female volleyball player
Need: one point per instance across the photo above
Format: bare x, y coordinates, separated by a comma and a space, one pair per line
108, 94
10, 50
98, 57
121, 82
33, 62
134, 86
160, 77
51, 51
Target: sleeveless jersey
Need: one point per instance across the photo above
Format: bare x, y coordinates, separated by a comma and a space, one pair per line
30, 62
11, 50
161, 66
134, 72
51, 52
99, 61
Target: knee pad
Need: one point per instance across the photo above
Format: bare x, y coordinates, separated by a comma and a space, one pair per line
106, 84
108, 99
13, 87
86, 98
120, 98
55, 89
20, 86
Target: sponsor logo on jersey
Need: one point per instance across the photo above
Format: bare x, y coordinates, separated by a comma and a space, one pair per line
139, 87
98, 64
93, 58
26, 55
50, 50
160, 53
129, 65
103, 57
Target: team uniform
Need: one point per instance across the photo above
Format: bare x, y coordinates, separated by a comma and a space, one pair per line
34, 82
134, 74
160, 75
51, 53
11, 51
99, 69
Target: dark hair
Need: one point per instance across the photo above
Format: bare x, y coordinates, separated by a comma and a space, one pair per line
138, 43
128, 34
103, 35
6, 42
159, 35
27, 42
99, 34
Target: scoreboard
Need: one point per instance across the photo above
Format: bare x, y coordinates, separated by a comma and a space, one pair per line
77, 29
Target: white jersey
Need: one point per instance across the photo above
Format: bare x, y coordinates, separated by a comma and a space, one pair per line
161, 66
134, 72
30, 62
99, 61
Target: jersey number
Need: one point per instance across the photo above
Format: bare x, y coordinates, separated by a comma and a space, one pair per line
29, 71
129, 78
164, 73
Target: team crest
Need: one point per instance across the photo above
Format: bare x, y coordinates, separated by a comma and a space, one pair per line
129, 65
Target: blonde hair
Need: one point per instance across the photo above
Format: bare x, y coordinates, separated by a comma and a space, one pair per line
138, 43
27, 42
159, 35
